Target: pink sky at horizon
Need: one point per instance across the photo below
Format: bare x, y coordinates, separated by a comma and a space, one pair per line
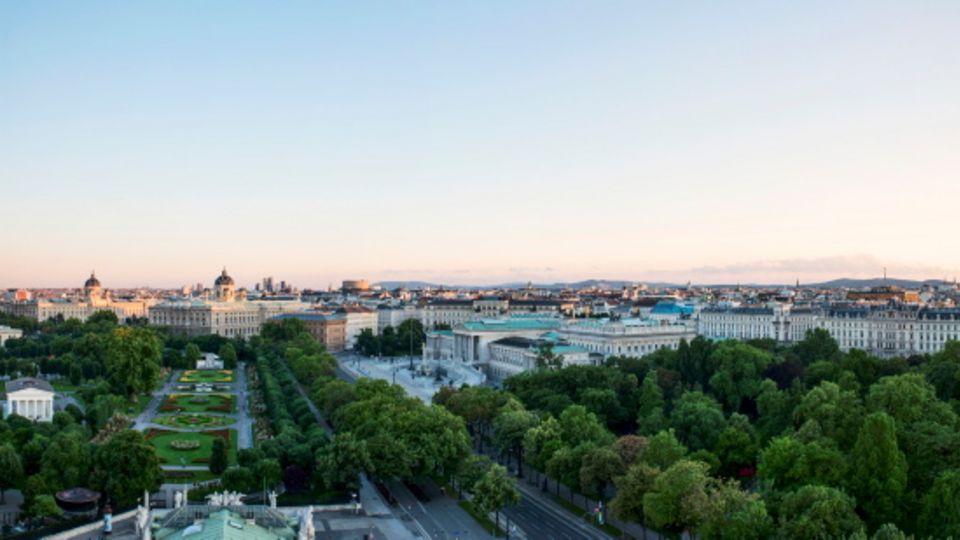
768, 272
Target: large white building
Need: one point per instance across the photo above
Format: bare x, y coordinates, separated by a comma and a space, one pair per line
780, 322
513, 355
7, 333
226, 314
448, 312
30, 398
394, 315
469, 342
625, 337
359, 318
92, 300
887, 330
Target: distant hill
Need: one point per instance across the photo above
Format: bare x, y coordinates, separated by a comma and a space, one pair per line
613, 284
849, 283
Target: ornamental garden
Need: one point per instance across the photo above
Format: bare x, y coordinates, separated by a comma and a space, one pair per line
196, 413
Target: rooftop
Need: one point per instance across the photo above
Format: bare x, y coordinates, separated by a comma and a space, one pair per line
513, 323
26, 383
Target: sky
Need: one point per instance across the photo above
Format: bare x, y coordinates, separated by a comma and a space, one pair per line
478, 141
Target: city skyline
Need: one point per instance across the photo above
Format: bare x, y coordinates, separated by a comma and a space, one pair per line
478, 143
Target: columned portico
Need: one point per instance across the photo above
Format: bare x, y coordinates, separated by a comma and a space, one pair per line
30, 398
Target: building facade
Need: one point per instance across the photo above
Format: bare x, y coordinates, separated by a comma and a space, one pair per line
886, 330
358, 318
92, 299
225, 315
8, 333
627, 337
469, 342
513, 355
30, 398
330, 330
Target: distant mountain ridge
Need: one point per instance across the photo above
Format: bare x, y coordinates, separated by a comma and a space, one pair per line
850, 283
614, 284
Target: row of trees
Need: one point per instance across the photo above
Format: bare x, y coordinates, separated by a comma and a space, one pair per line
826, 443
379, 430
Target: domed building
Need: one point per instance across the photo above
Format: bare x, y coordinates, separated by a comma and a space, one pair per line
91, 299
91, 287
227, 314
226, 289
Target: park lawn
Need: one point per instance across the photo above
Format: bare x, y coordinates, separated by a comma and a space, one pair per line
206, 376
222, 403
161, 439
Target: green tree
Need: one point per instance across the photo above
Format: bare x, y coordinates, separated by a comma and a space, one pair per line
509, 429
818, 344
680, 496
774, 410
238, 479
631, 487
67, 460
192, 354
650, 416
818, 512
44, 506
11, 467
738, 372
267, 472
218, 456
228, 354
788, 463
940, 508
578, 425
698, 420
888, 531
907, 399
734, 514
133, 360
598, 468
541, 442
494, 491
663, 450
693, 361
837, 412
878, 475
736, 447
341, 462
125, 466
470, 471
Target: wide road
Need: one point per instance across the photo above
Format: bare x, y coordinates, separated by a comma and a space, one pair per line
536, 515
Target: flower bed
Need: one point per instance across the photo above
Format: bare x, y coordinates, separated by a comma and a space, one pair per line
196, 421
206, 376
181, 444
